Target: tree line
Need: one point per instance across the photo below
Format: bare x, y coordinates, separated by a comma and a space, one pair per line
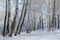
9, 30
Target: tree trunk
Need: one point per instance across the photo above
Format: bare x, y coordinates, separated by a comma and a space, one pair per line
4, 29
49, 25
34, 21
53, 15
42, 25
8, 21
58, 22
14, 20
20, 19
55, 23
52, 11
23, 17
39, 24
28, 27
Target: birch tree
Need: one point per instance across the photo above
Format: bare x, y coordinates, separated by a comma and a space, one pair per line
14, 20
23, 17
4, 29
8, 21
20, 18
52, 10
34, 21
42, 26
39, 23
28, 27
49, 15
58, 22
55, 23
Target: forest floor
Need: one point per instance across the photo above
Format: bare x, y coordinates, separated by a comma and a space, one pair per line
35, 35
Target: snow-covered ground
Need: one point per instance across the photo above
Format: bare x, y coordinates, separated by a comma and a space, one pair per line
35, 35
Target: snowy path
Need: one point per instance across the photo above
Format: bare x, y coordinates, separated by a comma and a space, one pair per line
37, 35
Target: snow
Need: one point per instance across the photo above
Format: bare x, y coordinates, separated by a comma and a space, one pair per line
35, 35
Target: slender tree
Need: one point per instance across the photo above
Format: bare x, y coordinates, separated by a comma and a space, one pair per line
28, 20
39, 24
8, 21
34, 21
28, 27
53, 15
42, 24
49, 16
49, 26
14, 20
20, 18
4, 29
51, 10
55, 22
23, 17
58, 22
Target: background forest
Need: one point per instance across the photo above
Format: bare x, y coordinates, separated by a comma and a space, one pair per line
17, 16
